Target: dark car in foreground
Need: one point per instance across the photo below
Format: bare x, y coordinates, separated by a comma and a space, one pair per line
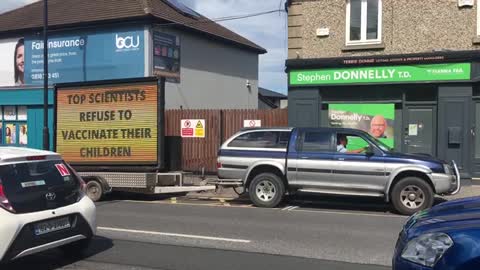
446, 236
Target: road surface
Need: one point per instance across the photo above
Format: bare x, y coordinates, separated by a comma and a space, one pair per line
175, 236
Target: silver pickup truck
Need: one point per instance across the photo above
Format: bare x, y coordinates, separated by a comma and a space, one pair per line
273, 162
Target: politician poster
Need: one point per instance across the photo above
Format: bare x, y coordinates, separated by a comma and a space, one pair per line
376, 119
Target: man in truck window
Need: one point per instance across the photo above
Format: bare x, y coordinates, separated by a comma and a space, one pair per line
342, 142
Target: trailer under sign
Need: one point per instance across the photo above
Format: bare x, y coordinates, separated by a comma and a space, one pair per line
108, 124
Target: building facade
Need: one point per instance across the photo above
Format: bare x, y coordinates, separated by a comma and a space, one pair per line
206, 65
408, 68
268, 99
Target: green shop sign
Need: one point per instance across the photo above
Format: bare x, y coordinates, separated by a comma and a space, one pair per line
416, 73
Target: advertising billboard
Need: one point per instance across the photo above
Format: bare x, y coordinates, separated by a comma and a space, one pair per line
376, 119
74, 57
108, 124
166, 55
12, 66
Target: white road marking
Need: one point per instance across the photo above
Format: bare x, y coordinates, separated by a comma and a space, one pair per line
296, 208
175, 235
350, 213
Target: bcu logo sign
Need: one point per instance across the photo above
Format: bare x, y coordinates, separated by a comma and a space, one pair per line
87, 56
127, 43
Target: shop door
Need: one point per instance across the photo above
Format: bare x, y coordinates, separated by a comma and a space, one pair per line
455, 132
476, 134
420, 130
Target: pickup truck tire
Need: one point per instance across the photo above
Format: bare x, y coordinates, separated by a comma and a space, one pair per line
412, 194
266, 190
94, 190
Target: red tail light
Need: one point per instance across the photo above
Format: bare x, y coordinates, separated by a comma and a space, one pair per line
219, 165
36, 157
4, 203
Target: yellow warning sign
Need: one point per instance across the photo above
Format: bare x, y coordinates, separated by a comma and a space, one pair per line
200, 129
199, 132
193, 128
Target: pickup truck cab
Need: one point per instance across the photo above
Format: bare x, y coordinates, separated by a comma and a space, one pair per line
272, 162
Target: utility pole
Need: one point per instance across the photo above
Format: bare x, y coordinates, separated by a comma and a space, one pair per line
46, 135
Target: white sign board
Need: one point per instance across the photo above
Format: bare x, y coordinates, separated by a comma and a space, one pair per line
465, 3
323, 32
22, 113
193, 128
412, 130
252, 123
9, 113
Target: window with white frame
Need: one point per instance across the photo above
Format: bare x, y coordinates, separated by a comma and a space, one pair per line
364, 22
478, 18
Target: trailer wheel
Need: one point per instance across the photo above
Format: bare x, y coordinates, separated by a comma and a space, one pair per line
94, 190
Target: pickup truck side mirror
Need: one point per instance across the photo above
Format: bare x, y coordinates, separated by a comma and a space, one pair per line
369, 151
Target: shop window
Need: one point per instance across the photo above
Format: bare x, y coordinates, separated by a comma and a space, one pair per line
421, 93
478, 18
13, 126
477, 130
364, 22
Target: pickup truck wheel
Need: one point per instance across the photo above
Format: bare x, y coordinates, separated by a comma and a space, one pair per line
412, 194
266, 190
94, 190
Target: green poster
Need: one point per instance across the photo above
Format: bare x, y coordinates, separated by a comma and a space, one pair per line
376, 119
387, 74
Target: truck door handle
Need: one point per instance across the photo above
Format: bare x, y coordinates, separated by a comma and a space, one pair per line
304, 157
341, 159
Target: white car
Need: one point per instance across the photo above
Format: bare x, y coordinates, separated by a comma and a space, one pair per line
42, 205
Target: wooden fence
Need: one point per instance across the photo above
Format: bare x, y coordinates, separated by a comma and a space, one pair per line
201, 153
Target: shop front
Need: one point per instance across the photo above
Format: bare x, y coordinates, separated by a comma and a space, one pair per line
21, 117
424, 104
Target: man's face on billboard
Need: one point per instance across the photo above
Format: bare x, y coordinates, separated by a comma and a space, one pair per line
378, 125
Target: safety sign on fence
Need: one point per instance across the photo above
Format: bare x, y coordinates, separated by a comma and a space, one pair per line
252, 123
193, 128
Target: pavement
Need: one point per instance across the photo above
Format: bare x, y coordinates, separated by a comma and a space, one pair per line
224, 231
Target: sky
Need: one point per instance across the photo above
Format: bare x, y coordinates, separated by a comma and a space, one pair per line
268, 31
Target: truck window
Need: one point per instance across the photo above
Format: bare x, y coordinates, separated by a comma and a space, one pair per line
262, 139
351, 144
316, 141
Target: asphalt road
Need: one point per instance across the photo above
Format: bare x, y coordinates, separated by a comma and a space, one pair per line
156, 235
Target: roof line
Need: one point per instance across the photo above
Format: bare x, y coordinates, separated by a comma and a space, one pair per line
27, 5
